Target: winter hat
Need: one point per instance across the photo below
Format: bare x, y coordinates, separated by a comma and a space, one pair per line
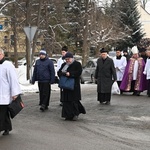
142, 49
42, 52
134, 50
125, 50
64, 48
103, 50
118, 49
68, 55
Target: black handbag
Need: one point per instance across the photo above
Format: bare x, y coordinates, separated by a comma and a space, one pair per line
66, 83
15, 106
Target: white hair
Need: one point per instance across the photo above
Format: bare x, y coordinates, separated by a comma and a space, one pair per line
1, 51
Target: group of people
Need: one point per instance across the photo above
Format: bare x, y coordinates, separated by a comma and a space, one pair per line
132, 75
131, 72
44, 73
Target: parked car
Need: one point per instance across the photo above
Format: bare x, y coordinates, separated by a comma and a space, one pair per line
23, 61
89, 71
112, 54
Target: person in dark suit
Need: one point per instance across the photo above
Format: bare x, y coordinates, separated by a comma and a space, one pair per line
72, 106
105, 75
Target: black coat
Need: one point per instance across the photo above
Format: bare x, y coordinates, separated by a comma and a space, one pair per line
105, 75
75, 70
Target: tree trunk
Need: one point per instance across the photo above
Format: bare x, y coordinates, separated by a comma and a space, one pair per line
85, 51
14, 40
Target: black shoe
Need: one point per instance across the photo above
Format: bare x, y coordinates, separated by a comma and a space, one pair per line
102, 103
42, 108
75, 118
6, 132
70, 119
61, 104
134, 93
46, 108
138, 94
107, 103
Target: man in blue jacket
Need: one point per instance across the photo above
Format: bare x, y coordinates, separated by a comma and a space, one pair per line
44, 73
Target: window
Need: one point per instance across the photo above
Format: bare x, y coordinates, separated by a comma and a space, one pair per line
6, 23
5, 39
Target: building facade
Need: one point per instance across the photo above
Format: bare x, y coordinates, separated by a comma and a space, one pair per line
145, 19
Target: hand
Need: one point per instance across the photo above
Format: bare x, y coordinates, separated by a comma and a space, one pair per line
117, 68
14, 97
31, 82
67, 74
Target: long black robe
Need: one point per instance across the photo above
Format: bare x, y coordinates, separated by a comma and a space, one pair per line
105, 74
71, 98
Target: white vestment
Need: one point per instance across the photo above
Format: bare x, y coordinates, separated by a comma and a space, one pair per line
135, 70
9, 85
147, 69
120, 64
59, 63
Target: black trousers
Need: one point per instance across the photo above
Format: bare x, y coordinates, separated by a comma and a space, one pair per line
104, 97
148, 88
5, 122
44, 93
119, 83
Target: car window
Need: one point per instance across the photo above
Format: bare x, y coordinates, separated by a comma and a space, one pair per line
112, 54
90, 64
54, 61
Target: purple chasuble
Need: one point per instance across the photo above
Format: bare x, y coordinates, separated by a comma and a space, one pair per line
140, 83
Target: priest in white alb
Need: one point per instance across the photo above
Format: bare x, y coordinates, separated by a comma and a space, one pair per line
120, 63
9, 90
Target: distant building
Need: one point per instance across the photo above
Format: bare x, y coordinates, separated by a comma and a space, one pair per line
145, 19
6, 35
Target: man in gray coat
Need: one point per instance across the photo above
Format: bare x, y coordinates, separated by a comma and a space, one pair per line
105, 75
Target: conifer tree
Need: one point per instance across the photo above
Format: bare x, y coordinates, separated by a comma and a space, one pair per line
129, 20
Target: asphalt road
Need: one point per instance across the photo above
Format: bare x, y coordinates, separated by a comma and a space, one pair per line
124, 125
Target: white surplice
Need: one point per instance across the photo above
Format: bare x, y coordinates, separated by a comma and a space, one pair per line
120, 64
9, 84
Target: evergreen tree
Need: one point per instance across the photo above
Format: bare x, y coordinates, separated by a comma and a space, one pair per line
129, 20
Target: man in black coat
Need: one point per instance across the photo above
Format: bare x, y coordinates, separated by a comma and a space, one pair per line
44, 73
105, 75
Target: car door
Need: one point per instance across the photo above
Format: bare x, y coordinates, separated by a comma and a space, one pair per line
88, 71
